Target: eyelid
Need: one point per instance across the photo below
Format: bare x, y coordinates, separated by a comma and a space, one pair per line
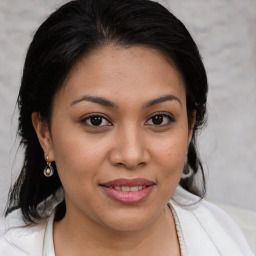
165, 114
86, 117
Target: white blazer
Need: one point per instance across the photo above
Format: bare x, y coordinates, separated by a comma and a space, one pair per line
207, 230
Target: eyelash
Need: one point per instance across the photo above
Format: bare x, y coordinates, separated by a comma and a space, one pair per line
170, 118
103, 117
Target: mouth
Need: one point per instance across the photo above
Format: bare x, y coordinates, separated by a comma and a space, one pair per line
127, 188
128, 191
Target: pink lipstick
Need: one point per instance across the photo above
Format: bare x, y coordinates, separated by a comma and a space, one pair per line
128, 191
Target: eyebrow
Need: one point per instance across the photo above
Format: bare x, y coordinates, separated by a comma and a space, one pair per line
95, 99
164, 98
105, 102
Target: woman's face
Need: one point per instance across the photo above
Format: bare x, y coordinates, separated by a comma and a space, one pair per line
119, 136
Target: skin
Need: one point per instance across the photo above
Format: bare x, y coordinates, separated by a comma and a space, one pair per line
127, 144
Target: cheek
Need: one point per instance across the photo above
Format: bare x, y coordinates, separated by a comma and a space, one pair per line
79, 158
73, 146
74, 156
170, 155
77, 168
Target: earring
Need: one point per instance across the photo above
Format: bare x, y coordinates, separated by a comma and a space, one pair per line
48, 170
187, 172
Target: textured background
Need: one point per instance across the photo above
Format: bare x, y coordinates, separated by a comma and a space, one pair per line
226, 35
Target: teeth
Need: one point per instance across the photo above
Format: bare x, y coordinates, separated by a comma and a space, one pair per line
134, 188
127, 189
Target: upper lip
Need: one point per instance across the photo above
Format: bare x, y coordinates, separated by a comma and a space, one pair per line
128, 182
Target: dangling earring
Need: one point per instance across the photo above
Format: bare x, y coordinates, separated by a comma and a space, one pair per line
48, 170
187, 172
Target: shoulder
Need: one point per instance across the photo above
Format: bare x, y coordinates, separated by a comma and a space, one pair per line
19, 239
207, 228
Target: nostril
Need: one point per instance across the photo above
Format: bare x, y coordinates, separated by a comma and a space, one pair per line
130, 155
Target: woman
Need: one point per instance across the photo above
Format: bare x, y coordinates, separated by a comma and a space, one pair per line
112, 96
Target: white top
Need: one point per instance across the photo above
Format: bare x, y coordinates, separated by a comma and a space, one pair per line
203, 229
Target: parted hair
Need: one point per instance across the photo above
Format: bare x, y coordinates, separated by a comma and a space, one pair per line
68, 35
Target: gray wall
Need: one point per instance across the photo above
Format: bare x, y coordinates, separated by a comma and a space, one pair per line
226, 34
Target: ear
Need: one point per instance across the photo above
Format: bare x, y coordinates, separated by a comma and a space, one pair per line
44, 136
191, 127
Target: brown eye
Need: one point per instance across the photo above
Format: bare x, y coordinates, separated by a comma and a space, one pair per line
157, 119
160, 120
96, 120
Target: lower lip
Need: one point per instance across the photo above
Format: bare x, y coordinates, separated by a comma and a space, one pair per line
128, 197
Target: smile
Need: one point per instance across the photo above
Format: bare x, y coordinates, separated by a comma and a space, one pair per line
128, 191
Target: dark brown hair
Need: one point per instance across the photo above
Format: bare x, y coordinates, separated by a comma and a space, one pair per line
66, 36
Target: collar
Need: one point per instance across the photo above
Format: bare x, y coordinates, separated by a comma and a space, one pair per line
48, 247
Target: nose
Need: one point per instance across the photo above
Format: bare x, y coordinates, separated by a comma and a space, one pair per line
129, 149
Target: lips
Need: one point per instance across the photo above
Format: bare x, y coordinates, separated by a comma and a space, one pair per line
128, 182
128, 191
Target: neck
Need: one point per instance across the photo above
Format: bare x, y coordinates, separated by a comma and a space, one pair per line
74, 235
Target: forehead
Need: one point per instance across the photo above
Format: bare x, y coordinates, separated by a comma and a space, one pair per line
112, 71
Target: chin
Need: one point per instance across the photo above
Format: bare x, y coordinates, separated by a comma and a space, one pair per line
129, 221
128, 226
